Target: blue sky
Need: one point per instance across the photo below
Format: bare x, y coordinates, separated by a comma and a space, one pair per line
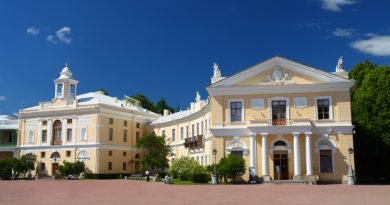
166, 49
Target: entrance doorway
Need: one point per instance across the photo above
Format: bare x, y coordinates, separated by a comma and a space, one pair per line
281, 166
54, 169
278, 112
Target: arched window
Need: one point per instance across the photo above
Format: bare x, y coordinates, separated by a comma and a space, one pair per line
31, 136
57, 130
280, 143
83, 134
55, 156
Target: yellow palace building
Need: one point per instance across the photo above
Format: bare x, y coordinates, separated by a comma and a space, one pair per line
100, 130
289, 121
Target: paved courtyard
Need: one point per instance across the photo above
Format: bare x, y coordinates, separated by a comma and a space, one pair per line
138, 192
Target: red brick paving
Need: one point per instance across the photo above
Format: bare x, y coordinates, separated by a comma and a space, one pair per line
138, 192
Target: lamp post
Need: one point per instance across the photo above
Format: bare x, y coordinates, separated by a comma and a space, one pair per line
214, 177
351, 180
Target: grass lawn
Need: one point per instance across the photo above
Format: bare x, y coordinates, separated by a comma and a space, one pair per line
186, 182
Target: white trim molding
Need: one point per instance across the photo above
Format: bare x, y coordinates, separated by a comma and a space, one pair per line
236, 145
280, 148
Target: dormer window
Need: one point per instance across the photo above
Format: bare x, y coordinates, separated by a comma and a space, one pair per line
72, 91
59, 91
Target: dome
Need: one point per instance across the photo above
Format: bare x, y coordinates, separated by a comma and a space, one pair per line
66, 73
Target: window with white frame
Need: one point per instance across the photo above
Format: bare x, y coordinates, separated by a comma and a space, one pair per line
31, 136
173, 134
236, 110
197, 128
181, 133
83, 133
59, 90
324, 108
72, 91
163, 134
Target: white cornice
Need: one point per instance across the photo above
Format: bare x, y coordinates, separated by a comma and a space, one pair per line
280, 89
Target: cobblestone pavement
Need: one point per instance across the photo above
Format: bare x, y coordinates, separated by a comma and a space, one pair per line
138, 192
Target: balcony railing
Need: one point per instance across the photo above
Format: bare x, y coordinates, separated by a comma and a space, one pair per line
281, 122
8, 144
194, 142
56, 142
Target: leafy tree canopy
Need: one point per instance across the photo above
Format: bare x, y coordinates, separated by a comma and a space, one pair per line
156, 152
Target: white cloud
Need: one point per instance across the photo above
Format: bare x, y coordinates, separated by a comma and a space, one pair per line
63, 33
32, 31
335, 5
375, 45
51, 39
343, 32
2, 98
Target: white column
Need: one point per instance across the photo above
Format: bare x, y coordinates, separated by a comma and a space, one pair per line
309, 163
252, 153
264, 154
64, 122
74, 122
49, 129
297, 160
40, 132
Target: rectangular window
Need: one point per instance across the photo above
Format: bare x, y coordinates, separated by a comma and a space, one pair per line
44, 122
110, 134
44, 135
124, 135
323, 109
181, 133
205, 126
137, 136
43, 154
109, 166
72, 91
111, 121
124, 166
110, 153
68, 135
186, 131
193, 130
59, 90
205, 161
68, 153
201, 128
137, 125
326, 161
124, 154
236, 111
173, 134
125, 123
69, 121
197, 128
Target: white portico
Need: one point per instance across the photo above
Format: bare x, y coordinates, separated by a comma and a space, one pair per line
275, 111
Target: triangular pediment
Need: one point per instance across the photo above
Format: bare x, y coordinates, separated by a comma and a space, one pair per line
279, 71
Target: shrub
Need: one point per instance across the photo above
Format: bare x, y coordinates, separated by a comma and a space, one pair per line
230, 167
201, 178
185, 168
70, 168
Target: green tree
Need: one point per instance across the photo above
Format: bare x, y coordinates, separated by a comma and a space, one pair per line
230, 167
156, 152
371, 117
72, 168
185, 168
145, 102
162, 105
